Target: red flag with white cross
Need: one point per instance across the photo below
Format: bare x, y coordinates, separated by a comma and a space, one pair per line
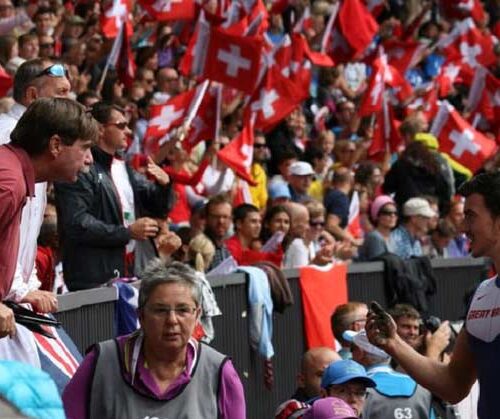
238, 154
164, 10
460, 140
164, 117
115, 13
233, 60
274, 101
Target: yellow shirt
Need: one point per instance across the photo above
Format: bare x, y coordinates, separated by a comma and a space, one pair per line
259, 192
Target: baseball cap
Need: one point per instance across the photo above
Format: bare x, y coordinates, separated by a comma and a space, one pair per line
279, 190
378, 203
330, 408
340, 372
291, 409
361, 340
301, 168
418, 206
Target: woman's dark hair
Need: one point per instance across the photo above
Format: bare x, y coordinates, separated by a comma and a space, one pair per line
418, 154
364, 172
265, 234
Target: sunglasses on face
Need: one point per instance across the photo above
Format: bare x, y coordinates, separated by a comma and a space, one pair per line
259, 145
120, 125
55, 70
317, 223
388, 212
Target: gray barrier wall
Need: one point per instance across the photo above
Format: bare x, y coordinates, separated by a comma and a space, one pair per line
88, 317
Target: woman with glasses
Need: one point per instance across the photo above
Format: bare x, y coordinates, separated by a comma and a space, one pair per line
384, 215
159, 370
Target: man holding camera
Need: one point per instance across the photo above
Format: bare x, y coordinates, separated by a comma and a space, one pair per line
475, 355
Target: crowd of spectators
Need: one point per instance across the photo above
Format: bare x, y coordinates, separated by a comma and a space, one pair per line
314, 189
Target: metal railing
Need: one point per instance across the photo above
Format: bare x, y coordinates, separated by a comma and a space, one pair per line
88, 317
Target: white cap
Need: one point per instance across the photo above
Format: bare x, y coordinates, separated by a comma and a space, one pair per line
301, 168
418, 206
361, 340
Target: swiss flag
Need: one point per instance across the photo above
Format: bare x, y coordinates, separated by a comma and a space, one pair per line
164, 117
233, 60
164, 10
238, 154
403, 55
354, 224
274, 101
383, 74
426, 101
469, 45
115, 14
460, 140
448, 75
357, 25
204, 123
459, 9
317, 58
386, 133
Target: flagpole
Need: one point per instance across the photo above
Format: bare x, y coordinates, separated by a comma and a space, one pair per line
113, 55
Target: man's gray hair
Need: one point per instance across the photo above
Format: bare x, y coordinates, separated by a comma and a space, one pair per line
158, 273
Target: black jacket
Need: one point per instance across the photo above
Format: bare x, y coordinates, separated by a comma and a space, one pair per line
411, 281
92, 234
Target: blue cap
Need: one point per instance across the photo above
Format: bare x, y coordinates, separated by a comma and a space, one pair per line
340, 372
279, 189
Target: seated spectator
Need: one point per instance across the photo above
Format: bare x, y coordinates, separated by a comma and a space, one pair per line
300, 249
312, 365
336, 203
301, 174
347, 380
277, 219
394, 391
317, 158
283, 159
258, 172
416, 215
316, 234
244, 245
218, 221
384, 214
149, 370
441, 238
279, 193
459, 245
330, 408
200, 253
349, 316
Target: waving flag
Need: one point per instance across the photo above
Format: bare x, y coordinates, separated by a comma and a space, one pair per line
460, 140
165, 10
233, 60
238, 154
115, 14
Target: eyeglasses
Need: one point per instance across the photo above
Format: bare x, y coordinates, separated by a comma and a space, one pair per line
260, 145
386, 212
182, 312
55, 70
317, 223
120, 125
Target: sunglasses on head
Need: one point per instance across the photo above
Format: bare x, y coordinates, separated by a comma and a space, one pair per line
55, 70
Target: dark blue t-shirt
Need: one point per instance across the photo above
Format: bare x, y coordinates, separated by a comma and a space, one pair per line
337, 202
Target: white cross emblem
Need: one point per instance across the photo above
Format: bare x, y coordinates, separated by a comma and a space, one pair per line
464, 141
233, 59
166, 117
265, 103
118, 11
469, 53
164, 5
247, 151
451, 71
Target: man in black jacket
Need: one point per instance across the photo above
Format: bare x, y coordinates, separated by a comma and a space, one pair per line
109, 211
